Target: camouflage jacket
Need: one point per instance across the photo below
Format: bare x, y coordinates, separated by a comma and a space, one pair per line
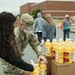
23, 40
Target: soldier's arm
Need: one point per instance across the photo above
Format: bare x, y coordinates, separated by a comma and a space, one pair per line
34, 43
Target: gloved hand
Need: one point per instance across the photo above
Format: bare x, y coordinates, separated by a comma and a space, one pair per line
26, 73
43, 58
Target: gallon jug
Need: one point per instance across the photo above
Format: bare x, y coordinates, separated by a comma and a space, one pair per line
48, 48
73, 52
43, 68
68, 54
59, 54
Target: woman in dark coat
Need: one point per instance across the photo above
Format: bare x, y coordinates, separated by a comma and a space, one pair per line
8, 49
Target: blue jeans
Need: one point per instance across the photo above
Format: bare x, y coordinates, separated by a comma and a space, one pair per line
66, 33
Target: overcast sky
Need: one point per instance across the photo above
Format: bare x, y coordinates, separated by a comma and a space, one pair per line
14, 5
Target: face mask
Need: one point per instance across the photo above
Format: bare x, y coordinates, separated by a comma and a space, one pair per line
28, 31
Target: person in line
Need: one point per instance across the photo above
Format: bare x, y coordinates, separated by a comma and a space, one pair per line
66, 25
49, 28
24, 36
8, 47
38, 26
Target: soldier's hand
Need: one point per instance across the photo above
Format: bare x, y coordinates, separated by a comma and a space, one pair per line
43, 58
26, 73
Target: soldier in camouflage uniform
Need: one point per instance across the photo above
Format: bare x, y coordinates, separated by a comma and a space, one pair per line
25, 36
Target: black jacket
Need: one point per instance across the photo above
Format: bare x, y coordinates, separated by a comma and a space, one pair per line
8, 48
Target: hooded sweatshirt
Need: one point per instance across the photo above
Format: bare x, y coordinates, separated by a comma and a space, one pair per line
38, 23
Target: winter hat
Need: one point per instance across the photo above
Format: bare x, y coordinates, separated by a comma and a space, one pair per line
27, 20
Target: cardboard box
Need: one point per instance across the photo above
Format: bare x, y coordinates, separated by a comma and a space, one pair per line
63, 69
49, 59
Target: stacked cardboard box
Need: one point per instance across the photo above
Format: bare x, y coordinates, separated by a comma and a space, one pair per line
49, 68
63, 69
54, 68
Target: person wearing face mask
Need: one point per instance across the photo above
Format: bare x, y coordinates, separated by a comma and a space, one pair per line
24, 36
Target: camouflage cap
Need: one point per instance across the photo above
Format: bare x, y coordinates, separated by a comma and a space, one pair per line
27, 20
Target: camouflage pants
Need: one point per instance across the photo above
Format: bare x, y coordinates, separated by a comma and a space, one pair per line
10, 69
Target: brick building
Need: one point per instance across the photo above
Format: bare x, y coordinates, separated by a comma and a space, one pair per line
55, 8
26, 8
